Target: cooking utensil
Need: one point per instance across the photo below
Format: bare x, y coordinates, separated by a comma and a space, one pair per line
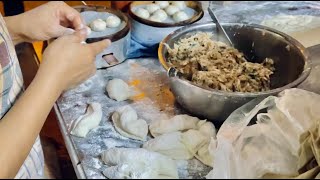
221, 32
291, 60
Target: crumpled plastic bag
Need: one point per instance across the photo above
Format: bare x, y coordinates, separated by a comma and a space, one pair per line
271, 145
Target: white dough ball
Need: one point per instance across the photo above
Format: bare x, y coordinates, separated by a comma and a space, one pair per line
143, 13
180, 16
155, 18
160, 14
113, 21
98, 25
180, 4
162, 4
171, 10
152, 8
118, 90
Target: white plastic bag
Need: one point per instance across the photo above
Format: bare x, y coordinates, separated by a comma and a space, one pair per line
271, 145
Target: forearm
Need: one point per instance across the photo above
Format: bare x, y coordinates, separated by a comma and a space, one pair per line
15, 27
22, 124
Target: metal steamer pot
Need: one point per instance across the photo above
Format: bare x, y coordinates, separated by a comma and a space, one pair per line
149, 33
291, 59
117, 51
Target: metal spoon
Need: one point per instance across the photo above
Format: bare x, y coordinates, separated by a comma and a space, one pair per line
220, 28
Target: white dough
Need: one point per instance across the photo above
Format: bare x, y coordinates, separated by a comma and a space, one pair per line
113, 21
179, 4
143, 13
88, 121
171, 10
180, 16
207, 129
98, 25
162, 4
177, 123
169, 144
118, 90
126, 123
154, 163
151, 8
160, 14
206, 153
155, 18
194, 140
134, 170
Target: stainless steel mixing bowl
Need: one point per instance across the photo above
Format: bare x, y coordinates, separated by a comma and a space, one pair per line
257, 42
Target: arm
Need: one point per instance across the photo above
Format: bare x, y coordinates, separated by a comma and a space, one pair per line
66, 63
22, 124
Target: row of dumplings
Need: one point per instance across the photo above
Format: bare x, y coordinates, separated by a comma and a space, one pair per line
181, 137
101, 25
160, 10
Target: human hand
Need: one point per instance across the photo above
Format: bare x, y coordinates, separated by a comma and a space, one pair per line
50, 20
67, 62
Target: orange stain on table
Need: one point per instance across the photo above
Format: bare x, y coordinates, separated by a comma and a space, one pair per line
152, 86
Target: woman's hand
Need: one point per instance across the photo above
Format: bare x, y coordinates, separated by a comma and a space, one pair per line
51, 20
67, 62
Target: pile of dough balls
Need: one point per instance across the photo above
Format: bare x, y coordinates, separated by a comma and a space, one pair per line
160, 10
101, 25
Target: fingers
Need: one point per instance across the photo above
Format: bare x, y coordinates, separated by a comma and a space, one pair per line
79, 36
72, 16
98, 47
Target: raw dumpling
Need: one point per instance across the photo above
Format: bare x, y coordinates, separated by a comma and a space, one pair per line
88, 121
207, 129
171, 10
180, 16
194, 140
169, 144
118, 90
126, 122
162, 4
179, 4
153, 162
177, 123
134, 170
160, 14
151, 8
113, 21
143, 13
206, 153
98, 25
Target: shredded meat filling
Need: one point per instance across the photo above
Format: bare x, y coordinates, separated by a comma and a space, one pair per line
213, 64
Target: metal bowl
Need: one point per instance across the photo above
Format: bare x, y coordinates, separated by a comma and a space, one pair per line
257, 42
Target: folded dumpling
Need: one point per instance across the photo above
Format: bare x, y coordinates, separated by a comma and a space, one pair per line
126, 122
88, 121
177, 123
169, 144
140, 160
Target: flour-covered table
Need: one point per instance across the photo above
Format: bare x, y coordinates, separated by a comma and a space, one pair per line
153, 99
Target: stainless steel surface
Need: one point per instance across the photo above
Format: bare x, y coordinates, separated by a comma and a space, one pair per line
84, 153
220, 28
291, 59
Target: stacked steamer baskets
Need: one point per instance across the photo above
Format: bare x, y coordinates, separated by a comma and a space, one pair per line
106, 23
152, 21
